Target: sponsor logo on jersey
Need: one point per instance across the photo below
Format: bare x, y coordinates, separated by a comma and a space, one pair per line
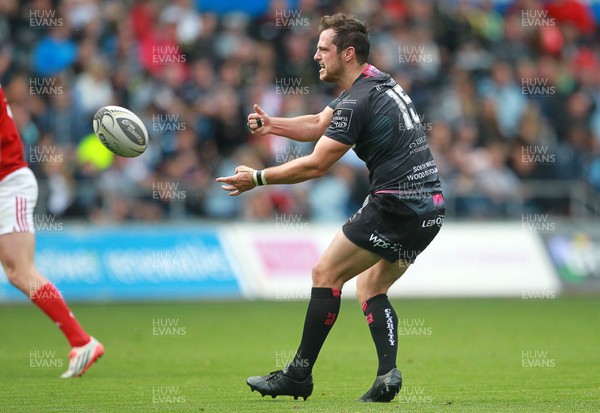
349, 101
341, 119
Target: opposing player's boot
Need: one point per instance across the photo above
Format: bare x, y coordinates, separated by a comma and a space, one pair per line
385, 388
81, 358
277, 383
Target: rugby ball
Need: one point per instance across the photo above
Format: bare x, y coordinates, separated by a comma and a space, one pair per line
121, 131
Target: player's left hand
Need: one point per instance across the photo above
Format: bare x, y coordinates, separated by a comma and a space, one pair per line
240, 182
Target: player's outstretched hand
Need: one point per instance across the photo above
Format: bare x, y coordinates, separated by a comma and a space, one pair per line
259, 121
242, 181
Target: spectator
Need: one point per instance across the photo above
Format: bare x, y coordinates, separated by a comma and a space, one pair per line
502, 91
55, 52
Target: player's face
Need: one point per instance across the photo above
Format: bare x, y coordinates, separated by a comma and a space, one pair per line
331, 67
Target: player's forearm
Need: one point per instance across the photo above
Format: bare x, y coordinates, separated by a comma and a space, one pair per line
300, 128
293, 172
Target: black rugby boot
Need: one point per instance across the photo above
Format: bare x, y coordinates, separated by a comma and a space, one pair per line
385, 388
278, 384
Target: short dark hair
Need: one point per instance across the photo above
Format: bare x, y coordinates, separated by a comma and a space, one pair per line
349, 31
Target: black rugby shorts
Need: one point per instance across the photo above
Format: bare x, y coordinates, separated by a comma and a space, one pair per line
394, 227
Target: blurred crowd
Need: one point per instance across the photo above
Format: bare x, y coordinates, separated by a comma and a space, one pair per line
508, 93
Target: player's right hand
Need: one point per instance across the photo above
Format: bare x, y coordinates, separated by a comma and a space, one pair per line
259, 121
242, 181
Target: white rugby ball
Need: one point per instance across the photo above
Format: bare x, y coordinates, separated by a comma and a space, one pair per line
121, 131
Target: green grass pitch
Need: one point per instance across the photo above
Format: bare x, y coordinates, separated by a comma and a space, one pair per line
483, 355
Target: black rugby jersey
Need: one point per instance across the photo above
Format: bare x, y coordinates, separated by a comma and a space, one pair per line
378, 118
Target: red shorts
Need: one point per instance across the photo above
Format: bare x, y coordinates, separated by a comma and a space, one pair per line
18, 196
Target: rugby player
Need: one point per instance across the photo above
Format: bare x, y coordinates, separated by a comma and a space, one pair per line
18, 196
400, 217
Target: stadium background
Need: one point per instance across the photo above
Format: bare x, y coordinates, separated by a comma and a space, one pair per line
164, 268
508, 93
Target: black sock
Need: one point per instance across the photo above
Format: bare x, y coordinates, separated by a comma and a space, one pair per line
383, 324
321, 314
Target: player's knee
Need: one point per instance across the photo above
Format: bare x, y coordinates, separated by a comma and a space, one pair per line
324, 277
12, 273
318, 275
18, 274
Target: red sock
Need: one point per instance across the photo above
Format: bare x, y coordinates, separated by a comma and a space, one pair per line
51, 302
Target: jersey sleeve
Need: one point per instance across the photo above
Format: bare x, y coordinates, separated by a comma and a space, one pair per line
348, 120
334, 103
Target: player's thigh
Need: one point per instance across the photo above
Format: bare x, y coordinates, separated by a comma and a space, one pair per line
341, 261
379, 278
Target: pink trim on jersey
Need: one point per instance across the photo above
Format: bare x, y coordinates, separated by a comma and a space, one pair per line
370, 70
438, 200
21, 213
388, 191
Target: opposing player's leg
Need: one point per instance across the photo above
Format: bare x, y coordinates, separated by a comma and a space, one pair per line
16, 254
17, 245
371, 290
340, 262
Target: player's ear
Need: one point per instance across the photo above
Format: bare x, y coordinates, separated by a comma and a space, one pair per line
348, 53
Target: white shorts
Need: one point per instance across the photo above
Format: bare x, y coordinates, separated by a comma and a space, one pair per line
18, 196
